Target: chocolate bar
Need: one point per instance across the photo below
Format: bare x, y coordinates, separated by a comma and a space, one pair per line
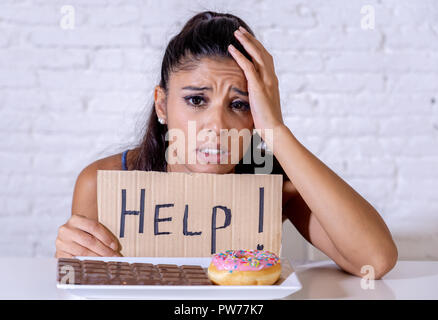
75, 271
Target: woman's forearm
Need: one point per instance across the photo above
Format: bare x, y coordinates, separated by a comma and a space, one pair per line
352, 224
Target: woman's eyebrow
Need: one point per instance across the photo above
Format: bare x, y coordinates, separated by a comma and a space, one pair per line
243, 93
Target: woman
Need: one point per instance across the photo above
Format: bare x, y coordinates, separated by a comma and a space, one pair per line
216, 86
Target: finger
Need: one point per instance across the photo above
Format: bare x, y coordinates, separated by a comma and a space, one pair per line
63, 254
251, 48
76, 249
88, 241
262, 58
246, 65
267, 57
254, 40
96, 229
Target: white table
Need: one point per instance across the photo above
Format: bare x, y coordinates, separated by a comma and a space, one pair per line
35, 278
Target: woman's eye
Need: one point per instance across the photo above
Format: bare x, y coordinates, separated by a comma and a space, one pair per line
198, 101
241, 105
194, 100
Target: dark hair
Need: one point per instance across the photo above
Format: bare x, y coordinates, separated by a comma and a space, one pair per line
207, 34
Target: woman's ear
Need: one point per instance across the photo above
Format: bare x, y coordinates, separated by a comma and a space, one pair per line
160, 102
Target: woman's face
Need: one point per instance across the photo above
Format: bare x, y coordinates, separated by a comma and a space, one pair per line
200, 103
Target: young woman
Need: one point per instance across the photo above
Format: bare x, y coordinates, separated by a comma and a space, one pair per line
218, 86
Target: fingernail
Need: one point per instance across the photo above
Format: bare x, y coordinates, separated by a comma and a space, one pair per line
232, 48
113, 246
242, 29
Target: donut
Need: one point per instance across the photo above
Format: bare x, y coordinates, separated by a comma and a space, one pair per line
244, 267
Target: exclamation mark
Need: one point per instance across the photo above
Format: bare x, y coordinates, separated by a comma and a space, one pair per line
261, 213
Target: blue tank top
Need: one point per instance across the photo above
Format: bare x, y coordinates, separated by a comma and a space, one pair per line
124, 166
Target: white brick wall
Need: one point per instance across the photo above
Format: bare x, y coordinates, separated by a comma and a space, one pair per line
364, 101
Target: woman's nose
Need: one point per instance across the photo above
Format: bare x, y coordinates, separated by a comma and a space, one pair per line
216, 119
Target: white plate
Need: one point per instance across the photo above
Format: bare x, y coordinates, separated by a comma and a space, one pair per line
286, 285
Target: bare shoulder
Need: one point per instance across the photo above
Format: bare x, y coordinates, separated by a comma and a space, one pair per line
85, 191
89, 174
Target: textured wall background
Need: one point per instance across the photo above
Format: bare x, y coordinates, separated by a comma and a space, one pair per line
363, 100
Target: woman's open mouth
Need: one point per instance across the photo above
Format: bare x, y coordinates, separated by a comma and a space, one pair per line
212, 155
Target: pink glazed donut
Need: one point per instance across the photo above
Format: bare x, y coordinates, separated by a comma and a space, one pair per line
244, 267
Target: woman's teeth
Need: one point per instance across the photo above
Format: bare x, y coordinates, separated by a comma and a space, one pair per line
212, 151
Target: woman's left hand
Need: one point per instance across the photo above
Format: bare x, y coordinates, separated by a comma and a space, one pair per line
263, 92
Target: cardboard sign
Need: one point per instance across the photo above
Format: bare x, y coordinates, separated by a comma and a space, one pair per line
176, 214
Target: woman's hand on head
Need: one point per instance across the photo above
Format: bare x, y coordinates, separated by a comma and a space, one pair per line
82, 236
263, 91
